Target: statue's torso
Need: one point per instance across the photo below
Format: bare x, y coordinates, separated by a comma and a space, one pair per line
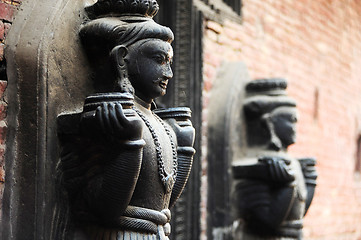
293, 223
150, 191
291, 226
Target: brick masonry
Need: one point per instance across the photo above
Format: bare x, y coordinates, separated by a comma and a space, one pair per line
8, 9
316, 45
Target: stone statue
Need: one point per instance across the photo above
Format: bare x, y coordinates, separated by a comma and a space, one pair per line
127, 162
272, 190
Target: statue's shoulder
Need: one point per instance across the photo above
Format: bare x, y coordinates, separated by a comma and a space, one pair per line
176, 117
178, 113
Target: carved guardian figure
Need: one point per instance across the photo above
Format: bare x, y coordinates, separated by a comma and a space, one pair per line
127, 162
273, 191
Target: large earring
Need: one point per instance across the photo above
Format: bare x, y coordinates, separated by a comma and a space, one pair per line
122, 83
275, 142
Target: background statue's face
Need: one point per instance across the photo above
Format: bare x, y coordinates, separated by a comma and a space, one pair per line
149, 67
284, 120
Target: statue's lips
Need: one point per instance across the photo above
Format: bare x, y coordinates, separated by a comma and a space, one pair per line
163, 84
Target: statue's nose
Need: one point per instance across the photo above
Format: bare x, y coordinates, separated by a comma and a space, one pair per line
168, 74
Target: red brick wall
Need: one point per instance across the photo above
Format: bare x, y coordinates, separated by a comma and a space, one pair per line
316, 45
7, 12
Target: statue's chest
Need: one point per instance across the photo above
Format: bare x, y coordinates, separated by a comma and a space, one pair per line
159, 154
300, 181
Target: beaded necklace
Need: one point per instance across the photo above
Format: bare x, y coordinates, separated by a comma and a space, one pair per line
168, 180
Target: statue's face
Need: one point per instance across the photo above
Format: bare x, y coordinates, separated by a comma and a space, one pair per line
284, 120
149, 68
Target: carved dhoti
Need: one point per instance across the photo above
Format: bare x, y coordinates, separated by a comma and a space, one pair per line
289, 230
136, 223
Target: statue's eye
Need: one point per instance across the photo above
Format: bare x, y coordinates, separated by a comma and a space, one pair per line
159, 59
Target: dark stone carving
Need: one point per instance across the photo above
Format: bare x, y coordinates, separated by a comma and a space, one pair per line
272, 190
124, 162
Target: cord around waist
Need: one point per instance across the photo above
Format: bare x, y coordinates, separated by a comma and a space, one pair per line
143, 219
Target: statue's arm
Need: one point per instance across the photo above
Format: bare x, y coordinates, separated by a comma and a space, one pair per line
185, 134
264, 192
259, 204
120, 134
310, 176
185, 161
110, 193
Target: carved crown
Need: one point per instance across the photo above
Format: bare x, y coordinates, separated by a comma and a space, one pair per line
146, 8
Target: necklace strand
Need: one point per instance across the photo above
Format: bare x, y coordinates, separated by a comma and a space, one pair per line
167, 179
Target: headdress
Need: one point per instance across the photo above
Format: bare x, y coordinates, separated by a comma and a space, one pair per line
123, 22
265, 95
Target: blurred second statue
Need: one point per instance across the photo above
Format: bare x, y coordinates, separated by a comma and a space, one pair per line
272, 190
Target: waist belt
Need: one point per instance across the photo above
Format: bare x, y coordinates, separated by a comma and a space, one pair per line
146, 220
291, 228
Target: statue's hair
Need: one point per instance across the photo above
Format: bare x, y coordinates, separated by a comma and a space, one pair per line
265, 95
106, 33
256, 106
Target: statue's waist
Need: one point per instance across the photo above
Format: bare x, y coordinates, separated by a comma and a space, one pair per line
145, 220
287, 230
136, 222
291, 229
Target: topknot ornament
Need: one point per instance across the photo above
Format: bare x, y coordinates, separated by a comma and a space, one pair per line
103, 8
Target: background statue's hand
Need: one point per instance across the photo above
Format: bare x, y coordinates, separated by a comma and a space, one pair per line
279, 169
184, 131
121, 124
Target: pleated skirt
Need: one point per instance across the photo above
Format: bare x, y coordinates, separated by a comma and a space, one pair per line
115, 234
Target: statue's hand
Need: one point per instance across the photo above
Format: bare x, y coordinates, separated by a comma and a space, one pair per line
279, 169
309, 170
184, 131
118, 123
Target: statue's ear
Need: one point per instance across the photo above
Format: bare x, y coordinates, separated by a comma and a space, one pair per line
275, 142
118, 54
122, 83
